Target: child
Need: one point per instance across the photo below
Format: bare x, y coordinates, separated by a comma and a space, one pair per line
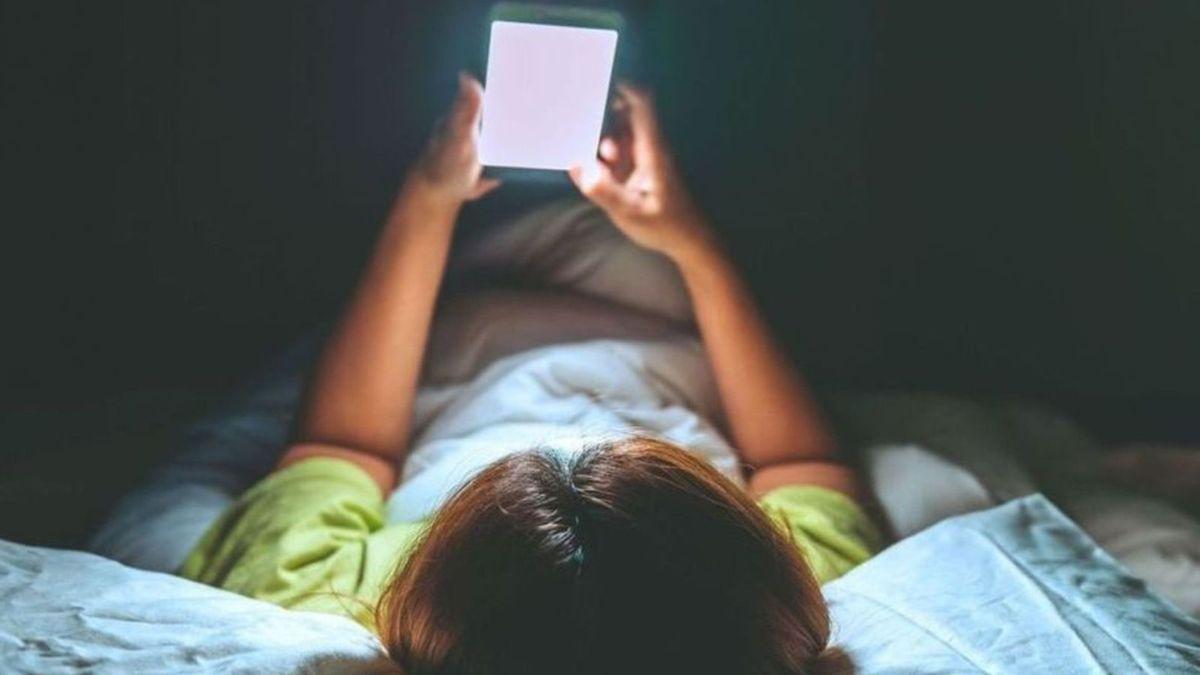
629, 556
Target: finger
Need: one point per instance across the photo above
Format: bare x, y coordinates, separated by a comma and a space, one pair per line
635, 94
610, 151
619, 117
615, 152
648, 144
596, 182
468, 106
482, 187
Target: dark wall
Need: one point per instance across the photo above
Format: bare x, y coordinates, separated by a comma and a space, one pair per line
993, 198
1032, 171
205, 176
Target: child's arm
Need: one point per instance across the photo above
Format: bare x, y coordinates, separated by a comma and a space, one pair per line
359, 399
771, 416
770, 412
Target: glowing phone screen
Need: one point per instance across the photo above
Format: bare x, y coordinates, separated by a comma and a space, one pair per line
545, 93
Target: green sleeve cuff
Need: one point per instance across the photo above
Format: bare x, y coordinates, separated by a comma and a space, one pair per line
831, 530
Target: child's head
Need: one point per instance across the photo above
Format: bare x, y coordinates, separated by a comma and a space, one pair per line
631, 557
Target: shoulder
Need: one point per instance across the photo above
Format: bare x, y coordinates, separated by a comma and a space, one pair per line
308, 536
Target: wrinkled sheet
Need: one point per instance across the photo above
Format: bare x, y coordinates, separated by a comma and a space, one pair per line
1016, 589
72, 612
564, 397
931, 456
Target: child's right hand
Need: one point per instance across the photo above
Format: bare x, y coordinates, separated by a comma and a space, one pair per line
637, 184
449, 168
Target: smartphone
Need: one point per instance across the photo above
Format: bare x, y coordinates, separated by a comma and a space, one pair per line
547, 85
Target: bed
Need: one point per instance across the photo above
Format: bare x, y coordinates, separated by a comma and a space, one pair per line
991, 578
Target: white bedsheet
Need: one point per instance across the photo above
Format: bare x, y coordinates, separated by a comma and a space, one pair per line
74, 612
1015, 589
565, 397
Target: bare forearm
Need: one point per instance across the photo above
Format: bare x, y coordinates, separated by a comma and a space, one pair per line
361, 393
359, 401
769, 410
771, 415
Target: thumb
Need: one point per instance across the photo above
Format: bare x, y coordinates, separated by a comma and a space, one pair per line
482, 187
596, 182
464, 114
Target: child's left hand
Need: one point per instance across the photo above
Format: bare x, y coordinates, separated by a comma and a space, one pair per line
450, 166
638, 185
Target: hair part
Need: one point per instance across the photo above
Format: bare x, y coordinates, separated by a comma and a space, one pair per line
632, 556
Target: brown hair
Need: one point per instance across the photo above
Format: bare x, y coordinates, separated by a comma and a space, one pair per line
631, 557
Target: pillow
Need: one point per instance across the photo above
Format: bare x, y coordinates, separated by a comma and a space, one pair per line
1018, 588
928, 456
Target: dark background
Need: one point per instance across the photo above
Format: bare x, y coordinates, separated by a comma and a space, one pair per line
987, 198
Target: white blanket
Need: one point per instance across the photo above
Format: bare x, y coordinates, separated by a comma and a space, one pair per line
564, 396
74, 612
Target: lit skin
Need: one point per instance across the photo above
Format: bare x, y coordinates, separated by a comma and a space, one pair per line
770, 413
359, 400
